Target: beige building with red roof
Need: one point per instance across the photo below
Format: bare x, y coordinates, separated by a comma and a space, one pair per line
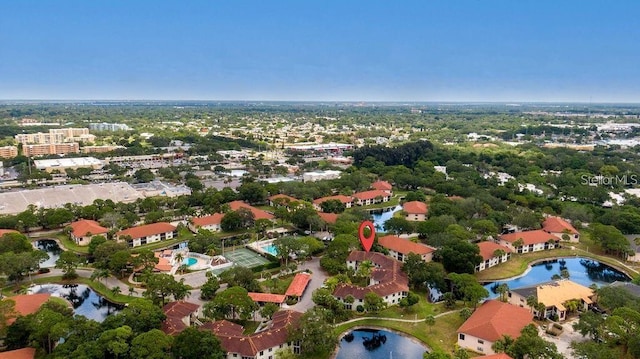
371, 197
554, 295
257, 212
388, 281
399, 248
561, 228
415, 211
383, 186
210, 223
180, 315
148, 233
260, 345
489, 323
491, 255
84, 229
346, 200
533, 241
329, 218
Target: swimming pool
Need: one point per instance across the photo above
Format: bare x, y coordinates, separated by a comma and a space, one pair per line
189, 261
271, 249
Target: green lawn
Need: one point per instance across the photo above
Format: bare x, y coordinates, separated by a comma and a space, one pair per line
71, 245
281, 284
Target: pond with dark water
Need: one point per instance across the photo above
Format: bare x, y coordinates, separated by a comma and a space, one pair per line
379, 344
51, 248
85, 301
581, 270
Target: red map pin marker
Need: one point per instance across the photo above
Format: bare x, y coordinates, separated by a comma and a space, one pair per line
367, 242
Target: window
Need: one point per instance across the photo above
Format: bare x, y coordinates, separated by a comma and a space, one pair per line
461, 336
262, 352
480, 341
480, 349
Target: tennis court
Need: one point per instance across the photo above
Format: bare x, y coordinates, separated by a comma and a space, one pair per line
245, 257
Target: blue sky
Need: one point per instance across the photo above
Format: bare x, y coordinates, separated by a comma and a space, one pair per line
430, 50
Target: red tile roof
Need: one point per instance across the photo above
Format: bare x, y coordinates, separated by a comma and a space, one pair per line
24, 353
488, 248
558, 225
382, 185
86, 227
175, 312
223, 327
7, 231
387, 271
147, 230
363, 196
493, 319
233, 341
298, 285
257, 213
215, 218
267, 298
340, 197
28, 303
529, 237
328, 217
163, 264
415, 207
404, 246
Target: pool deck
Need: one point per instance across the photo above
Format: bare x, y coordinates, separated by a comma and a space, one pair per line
260, 245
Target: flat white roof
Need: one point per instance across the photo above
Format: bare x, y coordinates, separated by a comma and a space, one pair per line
68, 162
56, 197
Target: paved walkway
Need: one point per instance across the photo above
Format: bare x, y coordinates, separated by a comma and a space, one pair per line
395, 319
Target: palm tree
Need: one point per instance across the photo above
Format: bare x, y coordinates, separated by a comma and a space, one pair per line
115, 290
532, 302
518, 243
542, 310
131, 291
502, 289
430, 320
179, 257
365, 268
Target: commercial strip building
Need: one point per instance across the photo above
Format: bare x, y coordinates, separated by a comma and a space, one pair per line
63, 164
56, 197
